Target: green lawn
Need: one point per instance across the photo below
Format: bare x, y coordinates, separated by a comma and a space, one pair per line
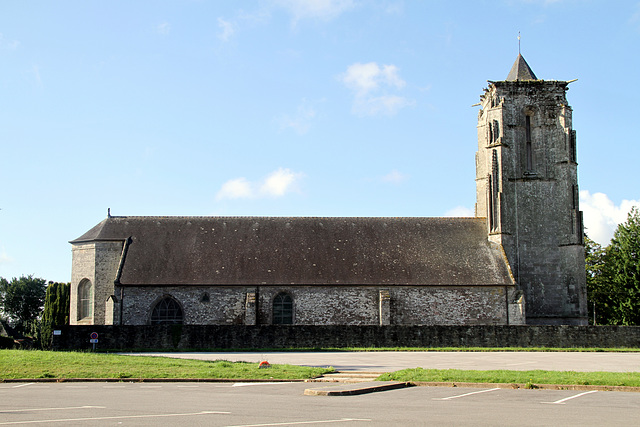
56, 364
518, 377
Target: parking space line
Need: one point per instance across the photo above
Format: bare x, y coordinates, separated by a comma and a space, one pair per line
466, 394
295, 423
53, 409
124, 417
561, 401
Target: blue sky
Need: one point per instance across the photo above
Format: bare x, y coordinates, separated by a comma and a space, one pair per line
287, 108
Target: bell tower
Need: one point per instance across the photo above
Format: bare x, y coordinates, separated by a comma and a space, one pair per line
527, 189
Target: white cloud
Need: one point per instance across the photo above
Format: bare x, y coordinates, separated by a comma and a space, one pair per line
238, 188
460, 211
602, 216
276, 184
394, 177
227, 29
300, 121
279, 182
314, 9
373, 86
163, 28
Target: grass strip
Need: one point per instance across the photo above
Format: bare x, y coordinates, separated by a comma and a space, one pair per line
54, 364
530, 378
375, 349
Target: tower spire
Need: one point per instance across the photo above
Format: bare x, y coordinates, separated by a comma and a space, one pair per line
521, 71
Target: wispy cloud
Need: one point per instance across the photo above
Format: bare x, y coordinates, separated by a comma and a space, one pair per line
8, 44
602, 216
35, 70
300, 121
163, 28
635, 17
314, 9
4, 257
374, 86
227, 29
394, 177
277, 184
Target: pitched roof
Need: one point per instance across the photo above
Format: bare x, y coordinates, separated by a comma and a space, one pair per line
521, 71
304, 251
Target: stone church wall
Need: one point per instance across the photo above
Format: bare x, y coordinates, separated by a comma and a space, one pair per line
324, 305
208, 337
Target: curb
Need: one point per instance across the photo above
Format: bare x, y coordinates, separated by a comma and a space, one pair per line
350, 390
583, 387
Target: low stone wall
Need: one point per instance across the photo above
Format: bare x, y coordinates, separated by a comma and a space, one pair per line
193, 337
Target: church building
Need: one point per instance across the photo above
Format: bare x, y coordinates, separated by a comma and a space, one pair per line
520, 260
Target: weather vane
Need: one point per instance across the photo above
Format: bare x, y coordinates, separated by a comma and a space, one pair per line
518, 42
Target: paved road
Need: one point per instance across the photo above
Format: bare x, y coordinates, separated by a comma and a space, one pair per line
393, 361
283, 404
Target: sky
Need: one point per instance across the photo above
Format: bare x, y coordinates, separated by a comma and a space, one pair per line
288, 108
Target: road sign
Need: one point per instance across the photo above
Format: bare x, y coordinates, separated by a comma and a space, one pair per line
94, 335
93, 340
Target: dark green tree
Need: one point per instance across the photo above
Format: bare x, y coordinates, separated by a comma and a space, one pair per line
21, 302
623, 271
56, 311
599, 289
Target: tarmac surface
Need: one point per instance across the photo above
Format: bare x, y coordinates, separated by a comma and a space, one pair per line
389, 361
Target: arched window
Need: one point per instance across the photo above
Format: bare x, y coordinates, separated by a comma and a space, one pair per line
85, 299
166, 311
283, 309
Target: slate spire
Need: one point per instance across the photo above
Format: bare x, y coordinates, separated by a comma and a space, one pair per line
521, 71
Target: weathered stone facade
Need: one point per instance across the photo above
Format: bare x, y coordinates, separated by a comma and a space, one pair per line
527, 188
521, 259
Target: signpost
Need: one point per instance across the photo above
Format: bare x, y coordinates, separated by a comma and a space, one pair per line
94, 339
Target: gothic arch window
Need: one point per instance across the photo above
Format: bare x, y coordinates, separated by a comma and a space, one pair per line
166, 311
529, 144
283, 309
496, 131
85, 299
494, 190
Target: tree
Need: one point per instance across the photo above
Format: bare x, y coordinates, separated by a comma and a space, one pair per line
623, 271
598, 285
56, 311
21, 302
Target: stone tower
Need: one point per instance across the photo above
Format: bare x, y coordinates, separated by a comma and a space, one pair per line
527, 188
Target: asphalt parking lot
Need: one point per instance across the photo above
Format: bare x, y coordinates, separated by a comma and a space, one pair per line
283, 404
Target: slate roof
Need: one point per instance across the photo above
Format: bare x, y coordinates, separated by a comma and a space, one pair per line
304, 251
521, 71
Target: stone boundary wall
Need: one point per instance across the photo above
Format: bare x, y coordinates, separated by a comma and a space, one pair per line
194, 337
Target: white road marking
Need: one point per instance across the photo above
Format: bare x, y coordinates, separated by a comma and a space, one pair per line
113, 418
22, 385
295, 423
561, 401
466, 394
52, 409
188, 386
248, 384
